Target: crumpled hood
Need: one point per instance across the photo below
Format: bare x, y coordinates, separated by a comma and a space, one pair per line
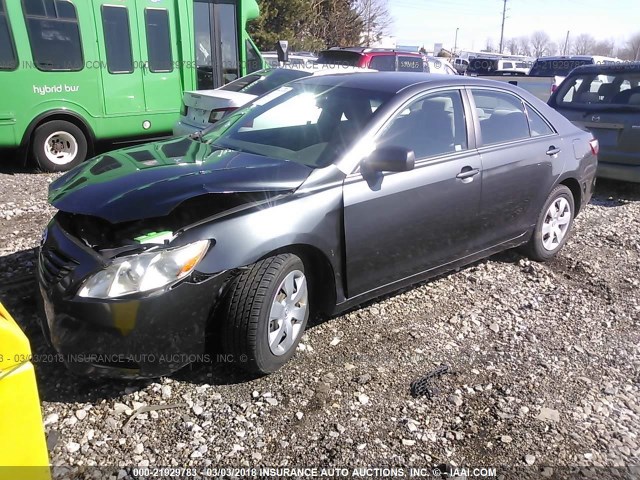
151, 180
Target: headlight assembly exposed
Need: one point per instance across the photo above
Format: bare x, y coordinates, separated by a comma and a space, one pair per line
144, 271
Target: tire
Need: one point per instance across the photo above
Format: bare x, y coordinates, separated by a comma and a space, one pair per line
249, 333
58, 146
544, 244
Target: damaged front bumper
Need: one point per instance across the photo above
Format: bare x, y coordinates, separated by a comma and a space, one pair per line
141, 336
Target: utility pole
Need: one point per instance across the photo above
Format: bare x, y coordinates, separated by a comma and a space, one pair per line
369, 23
455, 42
504, 15
566, 43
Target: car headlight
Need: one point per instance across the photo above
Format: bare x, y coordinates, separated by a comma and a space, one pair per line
144, 272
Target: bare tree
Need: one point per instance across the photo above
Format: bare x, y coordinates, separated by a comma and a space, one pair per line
513, 46
604, 48
376, 19
540, 44
564, 45
524, 46
584, 44
489, 47
633, 46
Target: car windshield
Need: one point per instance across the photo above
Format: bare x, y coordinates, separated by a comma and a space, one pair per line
553, 68
593, 91
308, 124
264, 81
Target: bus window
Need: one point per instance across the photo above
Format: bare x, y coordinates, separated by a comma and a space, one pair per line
117, 39
228, 40
8, 58
203, 50
158, 40
253, 57
54, 34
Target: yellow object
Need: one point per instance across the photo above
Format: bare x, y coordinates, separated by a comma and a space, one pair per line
23, 449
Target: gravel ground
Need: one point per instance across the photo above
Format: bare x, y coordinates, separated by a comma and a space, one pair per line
544, 359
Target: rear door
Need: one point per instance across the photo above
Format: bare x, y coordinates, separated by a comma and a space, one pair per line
120, 59
159, 39
519, 165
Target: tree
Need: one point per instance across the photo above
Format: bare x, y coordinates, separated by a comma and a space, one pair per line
604, 48
376, 19
284, 20
632, 52
541, 44
584, 44
524, 46
513, 47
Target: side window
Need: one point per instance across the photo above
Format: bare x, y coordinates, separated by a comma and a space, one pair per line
8, 57
228, 40
410, 64
537, 124
502, 116
117, 39
158, 40
432, 125
253, 57
383, 63
54, 34
507, 65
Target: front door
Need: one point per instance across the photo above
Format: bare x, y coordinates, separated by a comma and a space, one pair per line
400, 224
216, 42
119, 52
159, 39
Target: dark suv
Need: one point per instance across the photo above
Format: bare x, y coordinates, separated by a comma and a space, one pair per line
381, 59
605, 99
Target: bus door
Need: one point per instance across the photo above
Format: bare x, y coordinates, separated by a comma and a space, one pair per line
120, 59
159, 40
216, 42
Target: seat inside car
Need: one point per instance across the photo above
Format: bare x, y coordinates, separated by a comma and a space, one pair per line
503, 126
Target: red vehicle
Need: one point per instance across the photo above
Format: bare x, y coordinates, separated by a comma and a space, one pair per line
381, 59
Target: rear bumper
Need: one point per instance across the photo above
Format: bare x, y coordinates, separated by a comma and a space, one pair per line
618, 171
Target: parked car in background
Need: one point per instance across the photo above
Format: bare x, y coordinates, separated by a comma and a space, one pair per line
439, 65
384, 179
23, 451
380, 59
460, 64
203, 108
298, 59
485, 65
605, 99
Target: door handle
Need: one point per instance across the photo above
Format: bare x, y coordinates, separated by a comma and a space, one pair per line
468, 172
553, 151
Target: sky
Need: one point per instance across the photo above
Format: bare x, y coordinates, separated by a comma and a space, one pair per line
425, 22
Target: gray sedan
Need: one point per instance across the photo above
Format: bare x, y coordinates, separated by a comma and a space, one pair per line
317, 197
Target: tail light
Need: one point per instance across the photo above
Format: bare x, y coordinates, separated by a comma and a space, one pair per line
218, 113
595, 146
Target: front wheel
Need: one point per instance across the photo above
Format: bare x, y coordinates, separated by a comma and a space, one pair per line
264, 313
58, 146
554, 225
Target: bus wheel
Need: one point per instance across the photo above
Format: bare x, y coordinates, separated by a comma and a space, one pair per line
58, 146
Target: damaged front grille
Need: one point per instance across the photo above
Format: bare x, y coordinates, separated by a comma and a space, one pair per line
54, 266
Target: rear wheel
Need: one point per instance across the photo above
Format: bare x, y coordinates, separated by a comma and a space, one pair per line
265, 312
58, 146
554, 225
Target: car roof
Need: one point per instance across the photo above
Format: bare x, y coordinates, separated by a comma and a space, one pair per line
578, 57
394, 82
633, 67
369, 50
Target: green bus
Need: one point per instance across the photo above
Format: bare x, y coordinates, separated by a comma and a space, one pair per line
74, 72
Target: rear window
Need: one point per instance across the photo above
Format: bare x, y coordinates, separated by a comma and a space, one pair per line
339, 57
594, 91
553, 68
8, 58
261, 83
482, 66
407, 63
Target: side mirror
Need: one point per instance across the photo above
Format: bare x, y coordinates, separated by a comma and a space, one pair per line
390, 159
